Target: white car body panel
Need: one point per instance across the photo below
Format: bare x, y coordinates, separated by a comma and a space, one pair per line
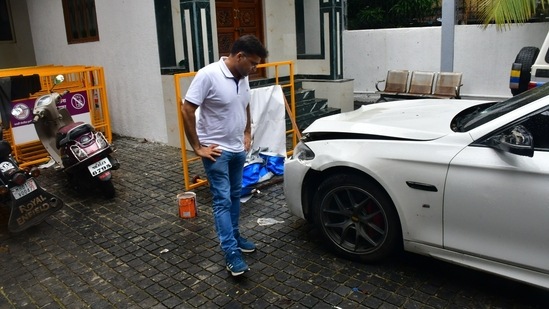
292, 186
540, 63
396, 119
468, 220
512, 272
392, 169
481, 221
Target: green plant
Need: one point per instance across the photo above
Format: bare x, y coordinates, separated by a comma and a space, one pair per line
411, 11
505, 12
373, 14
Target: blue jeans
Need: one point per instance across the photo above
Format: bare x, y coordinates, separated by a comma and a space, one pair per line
225, 179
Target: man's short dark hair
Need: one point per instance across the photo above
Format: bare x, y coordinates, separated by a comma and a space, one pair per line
249, 44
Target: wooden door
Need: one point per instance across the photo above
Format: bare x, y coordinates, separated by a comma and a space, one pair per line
236, 18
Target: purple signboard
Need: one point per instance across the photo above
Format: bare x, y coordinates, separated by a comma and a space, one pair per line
75, 102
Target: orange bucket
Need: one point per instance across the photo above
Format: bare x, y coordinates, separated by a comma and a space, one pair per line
187, 205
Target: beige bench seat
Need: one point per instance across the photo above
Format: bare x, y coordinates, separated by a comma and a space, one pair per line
401, 84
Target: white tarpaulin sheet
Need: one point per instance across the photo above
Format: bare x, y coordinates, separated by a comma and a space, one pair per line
268, 119
266, 156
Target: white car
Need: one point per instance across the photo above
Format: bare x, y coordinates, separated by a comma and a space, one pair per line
459, 180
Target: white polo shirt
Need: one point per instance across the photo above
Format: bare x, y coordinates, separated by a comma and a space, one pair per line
222, 100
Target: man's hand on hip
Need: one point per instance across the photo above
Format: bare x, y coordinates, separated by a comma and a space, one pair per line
209, 152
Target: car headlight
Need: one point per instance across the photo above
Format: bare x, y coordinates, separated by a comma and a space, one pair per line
303, 152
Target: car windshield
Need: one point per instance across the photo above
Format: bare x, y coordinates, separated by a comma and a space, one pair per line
486, 113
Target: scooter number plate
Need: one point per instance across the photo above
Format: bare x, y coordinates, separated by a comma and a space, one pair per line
100, 166
24, 189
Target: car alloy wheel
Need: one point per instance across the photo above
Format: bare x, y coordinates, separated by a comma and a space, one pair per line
357, 218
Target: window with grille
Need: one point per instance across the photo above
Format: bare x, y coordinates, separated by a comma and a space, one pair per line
80, 21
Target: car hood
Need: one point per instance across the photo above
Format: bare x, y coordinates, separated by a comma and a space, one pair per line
421, 119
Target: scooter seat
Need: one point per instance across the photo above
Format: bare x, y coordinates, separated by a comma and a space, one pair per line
71, 131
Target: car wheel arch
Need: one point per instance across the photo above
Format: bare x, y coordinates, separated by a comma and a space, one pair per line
314, 178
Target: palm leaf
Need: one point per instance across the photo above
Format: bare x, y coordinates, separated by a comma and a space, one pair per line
505, 12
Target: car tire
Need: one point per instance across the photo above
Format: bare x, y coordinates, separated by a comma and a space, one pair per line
526, 56
357, 218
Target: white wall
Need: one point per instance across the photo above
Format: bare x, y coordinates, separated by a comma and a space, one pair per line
19, 53
279, 30
339, 93
483, 55
128, 52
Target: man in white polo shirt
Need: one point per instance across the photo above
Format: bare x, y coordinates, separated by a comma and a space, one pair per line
222, 136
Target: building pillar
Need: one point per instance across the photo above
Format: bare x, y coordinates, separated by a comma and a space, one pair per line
196, 21
447, 35
334, 11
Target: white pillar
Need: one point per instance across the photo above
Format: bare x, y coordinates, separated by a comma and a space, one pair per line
447, 35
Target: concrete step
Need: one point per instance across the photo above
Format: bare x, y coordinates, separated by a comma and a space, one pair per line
310, 106
304, 120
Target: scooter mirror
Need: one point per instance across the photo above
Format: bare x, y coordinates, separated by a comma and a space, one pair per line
58, 79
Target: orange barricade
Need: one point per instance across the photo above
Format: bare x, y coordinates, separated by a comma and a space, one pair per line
87, 80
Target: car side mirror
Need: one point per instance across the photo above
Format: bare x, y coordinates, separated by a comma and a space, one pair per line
518, 141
